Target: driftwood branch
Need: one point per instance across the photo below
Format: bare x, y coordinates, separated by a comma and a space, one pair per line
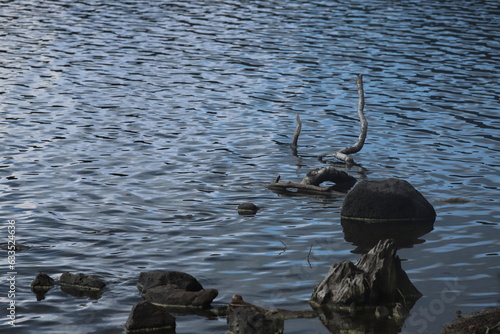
310, 184
344, 154
296, 135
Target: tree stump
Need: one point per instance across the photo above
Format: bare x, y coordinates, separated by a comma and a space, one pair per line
377, 279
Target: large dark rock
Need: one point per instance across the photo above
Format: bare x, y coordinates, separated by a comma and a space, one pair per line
246, 318
182, 280
82, 281
171, 295
146, 317
390, 199
377, 279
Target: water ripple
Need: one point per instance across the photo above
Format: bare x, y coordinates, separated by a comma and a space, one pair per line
132, 130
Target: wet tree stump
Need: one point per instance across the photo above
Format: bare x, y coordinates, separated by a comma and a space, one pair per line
377, 279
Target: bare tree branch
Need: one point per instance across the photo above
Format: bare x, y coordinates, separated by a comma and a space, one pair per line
296, 135
311, 183
344, 154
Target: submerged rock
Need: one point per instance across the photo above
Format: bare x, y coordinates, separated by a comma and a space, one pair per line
82, 281
171, 295
182, 280
175, 288
247, 209
146, 317
246, 318
390, 199
42, 282
41, 285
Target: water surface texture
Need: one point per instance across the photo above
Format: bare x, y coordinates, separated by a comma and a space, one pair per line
131, 130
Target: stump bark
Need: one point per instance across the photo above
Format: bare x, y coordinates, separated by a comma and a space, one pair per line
376, 279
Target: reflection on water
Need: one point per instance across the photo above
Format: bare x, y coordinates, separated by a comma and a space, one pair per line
133, 130
365, 235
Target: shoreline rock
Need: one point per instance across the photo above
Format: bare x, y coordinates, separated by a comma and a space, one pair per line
171, 295
483, 322
174, 288
246, 318
181, 280
42, 281
147, 317
82, 281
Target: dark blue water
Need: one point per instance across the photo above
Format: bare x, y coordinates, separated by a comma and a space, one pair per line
131, 130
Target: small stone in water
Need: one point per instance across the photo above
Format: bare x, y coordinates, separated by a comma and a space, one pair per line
247, 209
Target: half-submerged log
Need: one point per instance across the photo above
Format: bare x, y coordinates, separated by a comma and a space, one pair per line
353, 296
310, 184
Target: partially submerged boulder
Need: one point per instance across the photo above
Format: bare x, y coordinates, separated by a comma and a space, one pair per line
82, 281
246, 318
376, 279
42, 281
247, 209
41, 285
385, 200
171, 295
146, 317
174, 288
182, 280
82, 285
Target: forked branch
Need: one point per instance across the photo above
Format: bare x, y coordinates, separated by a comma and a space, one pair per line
344, 154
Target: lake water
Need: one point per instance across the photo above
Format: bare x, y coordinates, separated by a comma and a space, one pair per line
131, 131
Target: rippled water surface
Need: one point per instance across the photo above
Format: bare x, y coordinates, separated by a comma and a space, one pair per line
131, 130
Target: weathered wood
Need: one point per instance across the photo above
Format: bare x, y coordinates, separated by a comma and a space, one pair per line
294, 144
310, 184
323, 174
377, 279
356, 297
344, 154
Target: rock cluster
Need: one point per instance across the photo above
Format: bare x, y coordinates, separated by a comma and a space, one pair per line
163, 290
